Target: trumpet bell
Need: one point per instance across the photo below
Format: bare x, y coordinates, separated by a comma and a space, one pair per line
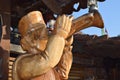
98, 21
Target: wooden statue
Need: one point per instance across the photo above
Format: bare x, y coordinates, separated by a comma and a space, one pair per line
48, 57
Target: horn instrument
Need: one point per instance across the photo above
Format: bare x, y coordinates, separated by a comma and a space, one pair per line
87, 20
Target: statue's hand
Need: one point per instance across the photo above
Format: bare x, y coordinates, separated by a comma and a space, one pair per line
63, 25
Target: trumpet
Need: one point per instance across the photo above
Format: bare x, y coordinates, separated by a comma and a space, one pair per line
92, 19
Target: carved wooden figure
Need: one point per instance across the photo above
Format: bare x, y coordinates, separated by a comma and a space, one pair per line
43, 52
48, 57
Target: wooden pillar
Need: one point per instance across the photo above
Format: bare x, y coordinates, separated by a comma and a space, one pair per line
4, 54
5, 40
3, 64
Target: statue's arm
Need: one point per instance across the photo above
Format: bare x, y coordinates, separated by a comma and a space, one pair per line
56, 42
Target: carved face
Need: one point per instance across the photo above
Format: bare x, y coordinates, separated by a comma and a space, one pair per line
39, 38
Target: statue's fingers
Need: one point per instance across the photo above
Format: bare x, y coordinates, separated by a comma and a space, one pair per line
57, 21
66, 24
71, 18
63, 20
69, 24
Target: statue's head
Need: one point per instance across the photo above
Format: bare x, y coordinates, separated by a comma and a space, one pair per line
33, 25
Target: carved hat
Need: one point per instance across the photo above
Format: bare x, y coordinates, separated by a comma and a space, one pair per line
31, 22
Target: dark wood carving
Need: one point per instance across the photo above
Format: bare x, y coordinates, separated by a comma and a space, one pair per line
0, 67
3, 64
